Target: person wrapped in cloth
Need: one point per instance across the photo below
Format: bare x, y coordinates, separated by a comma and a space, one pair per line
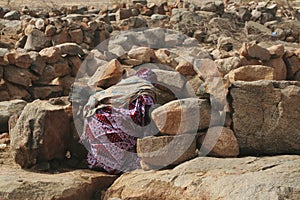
115, 118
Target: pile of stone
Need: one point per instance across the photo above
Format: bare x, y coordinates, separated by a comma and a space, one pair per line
204, 103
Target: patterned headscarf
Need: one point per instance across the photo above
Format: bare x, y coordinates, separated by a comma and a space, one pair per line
147, 74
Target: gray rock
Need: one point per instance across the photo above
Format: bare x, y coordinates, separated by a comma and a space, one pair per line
12, 15
42, 133
158, 17
7, 109
265, 117
214, 178
36, 41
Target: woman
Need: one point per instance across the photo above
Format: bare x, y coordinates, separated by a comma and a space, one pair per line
115, 118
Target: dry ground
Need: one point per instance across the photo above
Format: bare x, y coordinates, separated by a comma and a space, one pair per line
99, 3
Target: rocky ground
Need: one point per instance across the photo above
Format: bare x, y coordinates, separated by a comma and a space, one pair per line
228, 89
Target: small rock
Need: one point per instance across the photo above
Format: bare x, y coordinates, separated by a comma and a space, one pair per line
227, 64
36, 41
76, 36
19, 58
123, 13
51, 54
38, 62
71, 49
276, 50
107, 75
142, 54
8, 109
12, 15
186, 68
61, 68
3, 60
292, 65
253, 50
19, 76
280, 70
50, 30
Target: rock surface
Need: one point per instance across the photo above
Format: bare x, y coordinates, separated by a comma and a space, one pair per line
163, 151
78, 184
7, 109
266, 117
42, 133
214, 178
182, 116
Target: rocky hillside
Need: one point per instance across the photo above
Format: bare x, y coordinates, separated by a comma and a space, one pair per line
227, 120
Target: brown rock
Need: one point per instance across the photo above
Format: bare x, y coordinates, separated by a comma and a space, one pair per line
17, 92
3, 58
214, 178
62, 68
251, 73
219, 141
19, 76
107, 75
253, 50
164, 56
75, 64
4, 95
227, 64
159, 152
66, 82
76, 36
297, 53
265, 116
1, 72
78, 184
47, 76
249, 61
50, 30
62, 37
46, 92
35, 138
186, 68
276, 50
19, 58
142, 54
182, 116
123, 13
292, 65
280, 71
38, 62
51, 54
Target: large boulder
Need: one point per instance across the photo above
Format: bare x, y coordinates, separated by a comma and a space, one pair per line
214, 178
182, 116
78, 184
266, 116
42, 133
162, 151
